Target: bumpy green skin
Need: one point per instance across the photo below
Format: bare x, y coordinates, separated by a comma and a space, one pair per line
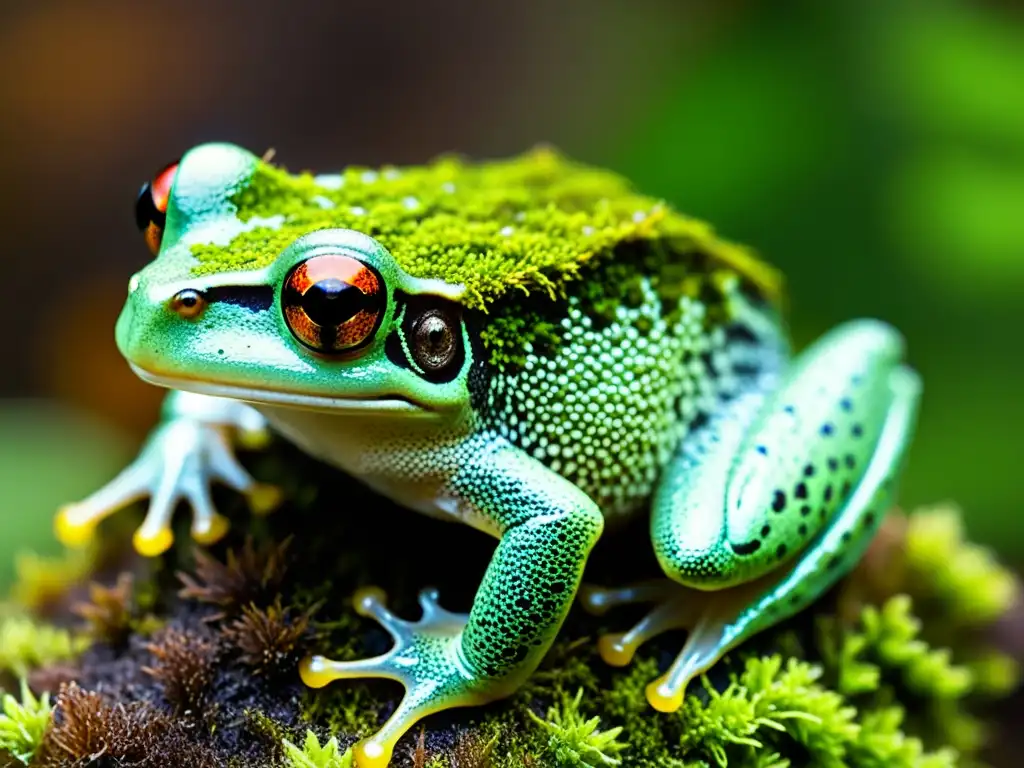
613, 355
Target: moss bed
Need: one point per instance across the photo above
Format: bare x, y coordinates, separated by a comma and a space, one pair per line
190, 659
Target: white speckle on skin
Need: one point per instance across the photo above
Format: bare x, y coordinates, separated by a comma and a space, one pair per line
133, 283
222, 231
323, 202
357, 210
330, 180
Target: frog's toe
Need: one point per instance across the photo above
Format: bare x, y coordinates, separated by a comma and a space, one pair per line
676, 607
425, 658
597, 601
75, 524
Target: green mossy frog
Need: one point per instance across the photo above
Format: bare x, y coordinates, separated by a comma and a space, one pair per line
529, 347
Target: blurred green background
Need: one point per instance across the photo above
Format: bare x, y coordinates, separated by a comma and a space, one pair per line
873, 150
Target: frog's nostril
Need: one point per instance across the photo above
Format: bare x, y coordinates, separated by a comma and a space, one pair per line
188, 303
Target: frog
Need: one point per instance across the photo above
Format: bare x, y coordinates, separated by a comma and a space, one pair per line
527, 346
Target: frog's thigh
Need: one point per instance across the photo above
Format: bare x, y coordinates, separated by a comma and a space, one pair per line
754, 486
877, 404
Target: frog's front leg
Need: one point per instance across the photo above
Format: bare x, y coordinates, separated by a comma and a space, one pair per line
770, 502
191, 448
546, 528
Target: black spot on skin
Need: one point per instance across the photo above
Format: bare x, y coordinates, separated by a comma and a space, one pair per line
789, 409
762, 450
846, 488
833, 464
747, 548
832, 563
827, 430
850, 461
846, 537
780, 551
846, 404
869, 519
801, 491
779, 501
558, 587
823, 513
255, 298
523, 603
765, 530
857, 430
805, 510
828, 492
802, 530
809, 470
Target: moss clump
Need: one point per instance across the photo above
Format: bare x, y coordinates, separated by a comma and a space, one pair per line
312, 755
26, 644
575, 741
526, 224
23, 724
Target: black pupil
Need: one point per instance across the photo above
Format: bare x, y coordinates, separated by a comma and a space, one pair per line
436, 336
332, 301
189, 299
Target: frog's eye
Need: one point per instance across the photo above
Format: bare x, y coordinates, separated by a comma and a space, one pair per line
151, 206
435, 340
333, 303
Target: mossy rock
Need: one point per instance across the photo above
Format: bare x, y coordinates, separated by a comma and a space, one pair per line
195, 655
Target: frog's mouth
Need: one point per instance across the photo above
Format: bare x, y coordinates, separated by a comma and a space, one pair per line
385, 404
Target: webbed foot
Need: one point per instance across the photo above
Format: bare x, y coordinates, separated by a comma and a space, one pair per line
180, 461
675, 607
426, 659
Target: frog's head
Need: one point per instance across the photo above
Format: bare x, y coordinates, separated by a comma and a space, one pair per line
323, 318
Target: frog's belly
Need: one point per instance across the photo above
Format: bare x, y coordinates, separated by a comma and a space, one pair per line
408, 460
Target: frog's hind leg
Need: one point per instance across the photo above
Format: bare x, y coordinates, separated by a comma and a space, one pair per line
770, 502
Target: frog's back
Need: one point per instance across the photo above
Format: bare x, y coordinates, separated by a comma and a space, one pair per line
603, 384
606, 324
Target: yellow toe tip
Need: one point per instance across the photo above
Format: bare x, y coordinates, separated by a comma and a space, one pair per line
371, 754
367, 599
264, 498
614, 651
313, 672
216, 529
254, 439
663, 698
151, 545
70, 532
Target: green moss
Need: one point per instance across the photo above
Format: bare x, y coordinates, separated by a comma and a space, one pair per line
23, 724
312, 755
26, 644
527, 224
574, 740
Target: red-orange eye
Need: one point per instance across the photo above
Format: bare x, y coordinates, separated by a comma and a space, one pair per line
151, 206
333, 303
